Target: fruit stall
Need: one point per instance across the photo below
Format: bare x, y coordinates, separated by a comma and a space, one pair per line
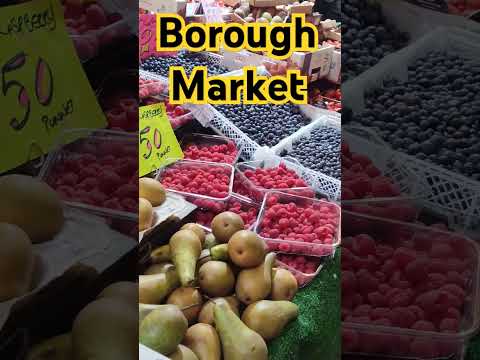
257, 225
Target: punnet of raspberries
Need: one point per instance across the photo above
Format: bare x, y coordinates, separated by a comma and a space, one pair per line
247, 210
149, 87
410, 278
304, 268
98, 173
293, 224
362, 179
198, 178
254, 180
210, 148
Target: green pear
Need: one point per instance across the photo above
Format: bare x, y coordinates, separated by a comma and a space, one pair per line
268, 318
160, 268
206, 314
256, 283
284, 285
185, 248
161, 254
152, 289
144, 310
203, 340
239, 342
220, 252
183, 353
163, 329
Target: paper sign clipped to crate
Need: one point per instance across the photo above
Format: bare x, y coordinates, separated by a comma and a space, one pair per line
158, 145
43, 88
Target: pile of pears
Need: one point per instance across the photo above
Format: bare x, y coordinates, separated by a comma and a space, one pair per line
208, 297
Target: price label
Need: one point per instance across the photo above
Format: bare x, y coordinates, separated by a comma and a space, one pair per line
43, 89
158, 145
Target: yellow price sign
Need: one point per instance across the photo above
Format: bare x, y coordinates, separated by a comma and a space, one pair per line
158, 145
43, 88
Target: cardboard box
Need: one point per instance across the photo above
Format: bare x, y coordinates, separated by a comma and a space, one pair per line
164, 6
333, 35
335, 73
303, 8
267, 3
316, 64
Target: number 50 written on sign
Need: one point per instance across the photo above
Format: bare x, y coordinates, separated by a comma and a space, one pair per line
43, 86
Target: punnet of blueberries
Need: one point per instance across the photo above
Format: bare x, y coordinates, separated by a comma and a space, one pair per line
320, 151
267, 124
161, 64
366, 37
434, 115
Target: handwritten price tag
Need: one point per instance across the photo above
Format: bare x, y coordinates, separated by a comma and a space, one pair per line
158, 145
43, 89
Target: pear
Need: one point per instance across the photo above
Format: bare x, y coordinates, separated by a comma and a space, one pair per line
122, 290
268, 318
161, 268
256, 283
246, 249
56, 348
220, 252
145, 309
161, 254
203, 340
152, 289
284, 285
238, 341
185, 248
189, 300
163, 329
225, 224
105, 330
210, 241
206, 314
183, 353
216, 278
197, 229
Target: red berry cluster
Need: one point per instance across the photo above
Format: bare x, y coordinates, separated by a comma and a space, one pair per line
123, 115
222, 153
248, 212
304, 264
103, 175
303, 225
148, 88
418, 284
177, 115
279, 177
262, 179
362, 179
208, 180
92, 22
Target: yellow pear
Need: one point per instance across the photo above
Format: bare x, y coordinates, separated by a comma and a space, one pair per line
256, 283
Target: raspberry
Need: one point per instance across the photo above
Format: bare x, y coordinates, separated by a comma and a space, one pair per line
423, 325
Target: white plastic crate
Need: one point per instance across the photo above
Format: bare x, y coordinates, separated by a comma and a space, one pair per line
452, 195
209, 116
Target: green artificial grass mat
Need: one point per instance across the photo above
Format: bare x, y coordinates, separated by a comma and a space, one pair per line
473, 352
316, 334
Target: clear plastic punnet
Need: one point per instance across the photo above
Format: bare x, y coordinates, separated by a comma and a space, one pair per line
428, 308
204, 140
84, 169
257, 193
312, 227
195, 165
